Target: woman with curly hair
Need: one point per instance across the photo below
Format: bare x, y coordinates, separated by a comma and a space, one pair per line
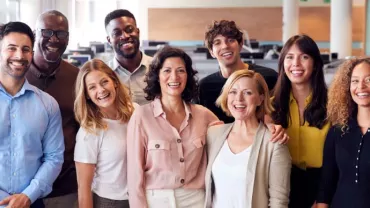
346, 167
300, 98
166, 137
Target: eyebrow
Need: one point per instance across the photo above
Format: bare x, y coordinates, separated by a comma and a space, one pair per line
359, 77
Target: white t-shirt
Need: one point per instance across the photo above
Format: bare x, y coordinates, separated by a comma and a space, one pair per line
107, 150
229, 172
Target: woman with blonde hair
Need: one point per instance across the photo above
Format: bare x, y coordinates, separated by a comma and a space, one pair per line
103, 108
345, 178
245, 169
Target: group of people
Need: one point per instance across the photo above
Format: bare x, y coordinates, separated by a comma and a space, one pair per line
143, 132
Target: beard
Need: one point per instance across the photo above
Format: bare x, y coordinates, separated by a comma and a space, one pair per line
16, 73
131, 54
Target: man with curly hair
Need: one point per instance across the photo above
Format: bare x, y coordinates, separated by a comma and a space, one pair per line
224, 41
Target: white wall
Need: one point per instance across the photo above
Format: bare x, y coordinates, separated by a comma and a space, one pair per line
232, 3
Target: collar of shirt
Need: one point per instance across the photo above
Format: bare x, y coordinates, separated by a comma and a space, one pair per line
307, 101
158, 110
26, 87
145, 61
35, 70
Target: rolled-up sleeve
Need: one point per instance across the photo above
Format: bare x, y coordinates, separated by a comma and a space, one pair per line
279, 177
136, 154
52, 161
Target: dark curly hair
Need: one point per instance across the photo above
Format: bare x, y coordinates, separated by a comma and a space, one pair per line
153, 88
225, 28
116, 14
18, 27
315, 112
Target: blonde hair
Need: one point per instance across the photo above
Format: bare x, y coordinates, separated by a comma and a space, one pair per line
86, 112
261, 111
340, 104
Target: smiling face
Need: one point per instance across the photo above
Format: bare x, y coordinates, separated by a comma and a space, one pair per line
173, 77
360, 85
225, 50
101, 90
298, 66
123, 36
51, 38
243, 99
16, 55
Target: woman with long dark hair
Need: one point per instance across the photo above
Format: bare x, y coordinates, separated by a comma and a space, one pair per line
300, 97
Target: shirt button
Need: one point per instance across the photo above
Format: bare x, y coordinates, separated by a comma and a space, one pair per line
178, 140
368, 130
13, 115
157, 146
14, 174
14, 134
356, 174
14, 154
182, 181
358, 150
182, 160
356, 166
356, 181
357, 158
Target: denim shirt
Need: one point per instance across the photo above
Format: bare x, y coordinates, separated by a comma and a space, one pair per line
31, 142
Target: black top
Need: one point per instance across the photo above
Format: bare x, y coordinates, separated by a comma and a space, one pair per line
345, 181
210, 88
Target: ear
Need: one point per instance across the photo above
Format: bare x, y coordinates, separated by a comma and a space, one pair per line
240, 46
108, 39
138, 31
262, 98
211, 52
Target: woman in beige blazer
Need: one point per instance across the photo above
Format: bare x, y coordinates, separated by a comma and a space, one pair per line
245, 169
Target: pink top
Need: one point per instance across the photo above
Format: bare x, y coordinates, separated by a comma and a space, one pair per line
160, 157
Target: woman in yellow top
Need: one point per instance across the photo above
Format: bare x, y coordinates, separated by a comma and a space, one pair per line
300, 97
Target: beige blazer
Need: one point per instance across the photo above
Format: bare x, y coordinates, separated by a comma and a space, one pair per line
268, 171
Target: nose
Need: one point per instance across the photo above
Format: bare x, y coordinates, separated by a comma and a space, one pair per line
239, 96
224, 44
100, 88
296, 61
174, 75
361, 84
54, 38
125, 35
18, 53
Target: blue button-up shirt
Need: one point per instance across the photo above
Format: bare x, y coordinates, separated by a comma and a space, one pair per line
31, 142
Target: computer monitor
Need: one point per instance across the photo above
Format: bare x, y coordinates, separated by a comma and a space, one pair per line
325, 58
256, 55
150, 52
79, 60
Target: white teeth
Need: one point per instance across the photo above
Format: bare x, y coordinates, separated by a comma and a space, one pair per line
174, 84
127, 44
297, 72
226, 54
362, 94
52, 49
104, 96
15, 63
240, 106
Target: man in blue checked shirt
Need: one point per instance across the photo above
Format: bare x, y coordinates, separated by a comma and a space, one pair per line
31, 137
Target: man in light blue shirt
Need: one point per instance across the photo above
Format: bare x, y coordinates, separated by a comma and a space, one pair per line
31, 137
